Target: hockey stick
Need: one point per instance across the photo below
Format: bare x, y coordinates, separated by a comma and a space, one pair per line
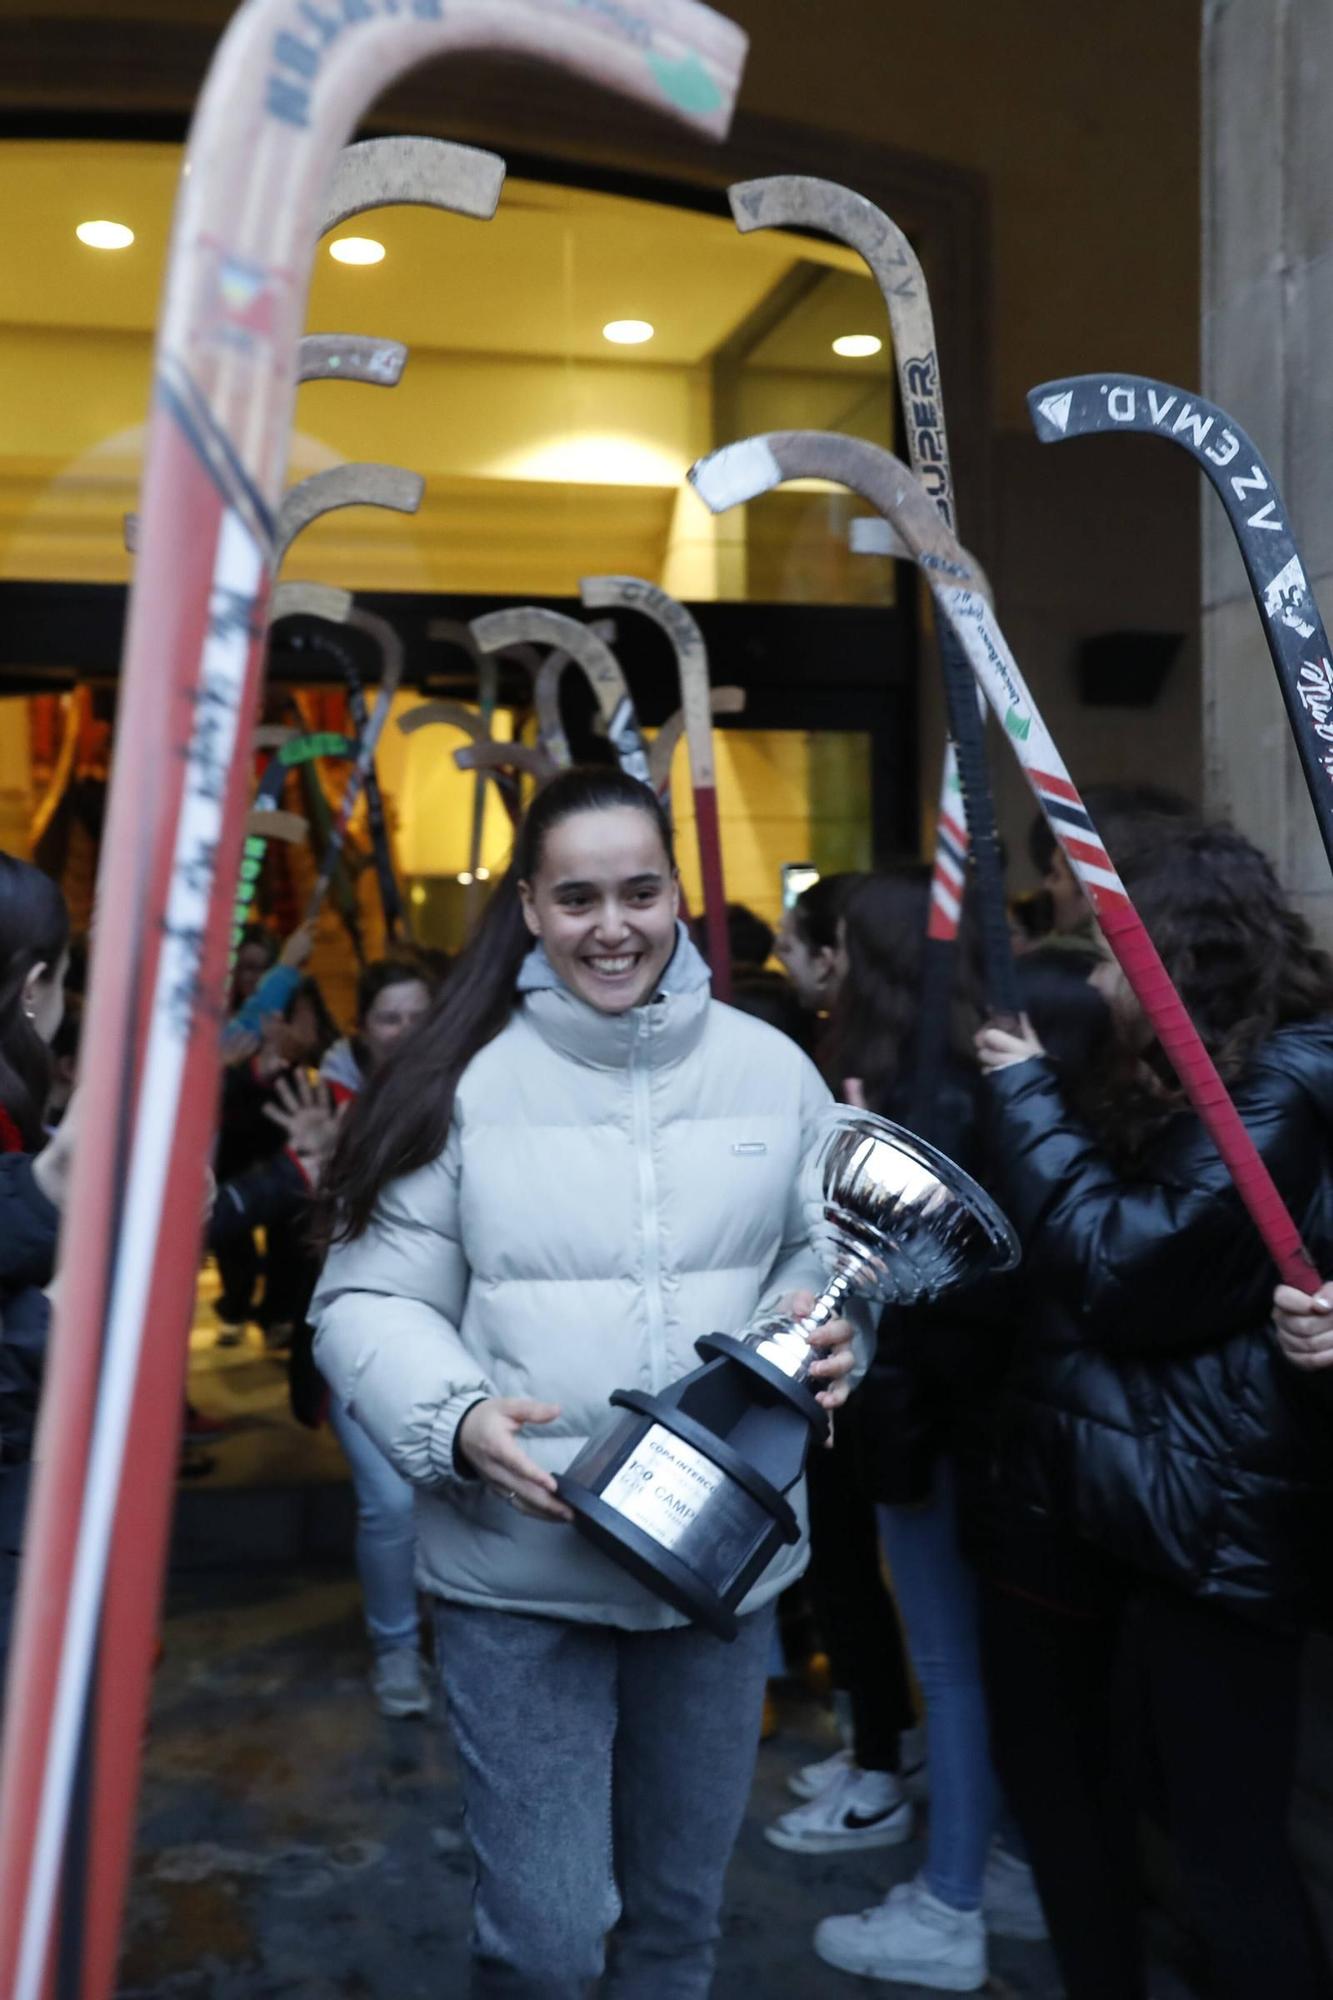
382, 173
524, 759
328, 357
602, 593
721, 701
797, 199
1081, 405
455, 715
741, 472
533, 624
292, 750
283, 92
356, 484
262, 824
363, 764
360, 485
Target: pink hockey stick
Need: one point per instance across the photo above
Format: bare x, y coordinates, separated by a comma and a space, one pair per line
741, 472
285, 89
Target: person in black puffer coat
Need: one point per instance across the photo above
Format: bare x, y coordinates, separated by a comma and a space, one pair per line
1160, 1470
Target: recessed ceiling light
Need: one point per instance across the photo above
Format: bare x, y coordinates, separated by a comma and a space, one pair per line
855, 346
357, 250
628, 332
105, 235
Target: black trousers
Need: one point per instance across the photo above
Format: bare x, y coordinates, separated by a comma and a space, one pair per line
1219, 1700
856, 1616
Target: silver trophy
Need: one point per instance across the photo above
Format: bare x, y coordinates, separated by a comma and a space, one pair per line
687, 1489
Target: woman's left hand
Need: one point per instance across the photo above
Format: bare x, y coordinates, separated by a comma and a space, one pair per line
1305, 1325
837, 1358
999, 1048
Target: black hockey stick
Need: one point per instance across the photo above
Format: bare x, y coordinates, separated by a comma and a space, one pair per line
1082, 405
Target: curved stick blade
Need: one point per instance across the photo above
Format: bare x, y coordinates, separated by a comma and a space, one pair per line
1089, 405
412, 171
355, 485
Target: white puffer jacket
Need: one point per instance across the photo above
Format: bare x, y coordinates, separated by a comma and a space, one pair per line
613, 1187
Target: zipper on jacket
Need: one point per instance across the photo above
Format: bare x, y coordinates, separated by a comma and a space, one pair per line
640, 1084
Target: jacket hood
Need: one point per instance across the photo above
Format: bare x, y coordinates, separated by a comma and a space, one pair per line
662, 1031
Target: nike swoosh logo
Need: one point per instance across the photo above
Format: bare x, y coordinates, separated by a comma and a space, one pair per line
858, 1822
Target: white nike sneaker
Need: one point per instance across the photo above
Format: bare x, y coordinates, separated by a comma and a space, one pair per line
911, 1938
812, 1779
859, 1809
1009, 1900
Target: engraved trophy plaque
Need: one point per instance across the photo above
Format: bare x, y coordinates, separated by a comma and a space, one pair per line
687, 1489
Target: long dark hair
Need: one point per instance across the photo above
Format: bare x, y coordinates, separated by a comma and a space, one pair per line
873, 1023
400, 1121
1242, 959
34, 930
816, 910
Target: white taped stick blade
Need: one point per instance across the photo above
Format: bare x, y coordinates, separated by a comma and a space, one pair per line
736, 473
872, 535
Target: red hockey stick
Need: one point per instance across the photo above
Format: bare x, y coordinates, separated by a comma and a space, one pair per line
285, 89
741, 472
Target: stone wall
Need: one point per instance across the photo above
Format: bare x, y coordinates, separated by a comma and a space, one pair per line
1267, 295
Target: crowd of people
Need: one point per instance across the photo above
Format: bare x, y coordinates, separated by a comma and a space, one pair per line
1070, 1535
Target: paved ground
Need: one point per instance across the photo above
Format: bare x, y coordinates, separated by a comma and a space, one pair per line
295, 1846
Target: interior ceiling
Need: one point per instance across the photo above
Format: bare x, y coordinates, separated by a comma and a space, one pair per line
542, 278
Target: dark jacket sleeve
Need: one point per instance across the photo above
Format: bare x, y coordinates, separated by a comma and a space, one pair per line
24, 1327
1168, 1260
265, 1196
29, 1225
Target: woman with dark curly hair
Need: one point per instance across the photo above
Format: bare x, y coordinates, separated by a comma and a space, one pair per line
1164, 1478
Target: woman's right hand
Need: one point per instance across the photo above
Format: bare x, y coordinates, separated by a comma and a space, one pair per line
488, 1439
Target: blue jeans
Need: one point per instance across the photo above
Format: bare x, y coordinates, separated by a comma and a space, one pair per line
605, 1777
937, 1596
386, 1536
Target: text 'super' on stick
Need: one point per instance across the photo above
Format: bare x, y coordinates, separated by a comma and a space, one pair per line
284, 91
741, 472
806, 201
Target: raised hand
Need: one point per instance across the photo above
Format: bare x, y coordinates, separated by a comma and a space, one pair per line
305, 1111
1000, 1048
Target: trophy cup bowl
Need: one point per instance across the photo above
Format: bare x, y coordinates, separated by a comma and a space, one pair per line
686, 1489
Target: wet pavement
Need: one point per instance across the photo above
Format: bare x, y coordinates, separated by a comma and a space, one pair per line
293, 1845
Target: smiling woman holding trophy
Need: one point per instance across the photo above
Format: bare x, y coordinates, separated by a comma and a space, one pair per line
579, 1168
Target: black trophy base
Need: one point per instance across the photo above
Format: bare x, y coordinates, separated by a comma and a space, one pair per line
686, 1490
